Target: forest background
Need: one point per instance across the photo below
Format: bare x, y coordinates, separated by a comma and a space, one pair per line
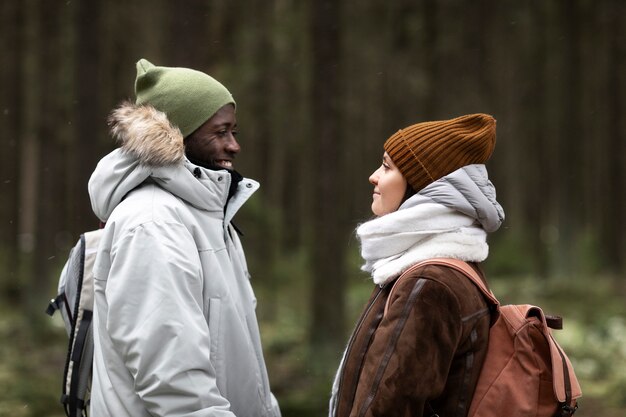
320, 85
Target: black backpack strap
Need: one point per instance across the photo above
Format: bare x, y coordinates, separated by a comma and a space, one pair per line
569, 407
77, 405
77, 343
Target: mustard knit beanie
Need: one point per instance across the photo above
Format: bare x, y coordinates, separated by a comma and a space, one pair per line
425, 152
188, 97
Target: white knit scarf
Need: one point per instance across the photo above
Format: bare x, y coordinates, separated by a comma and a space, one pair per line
390, 244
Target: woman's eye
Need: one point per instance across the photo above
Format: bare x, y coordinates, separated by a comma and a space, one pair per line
235, 133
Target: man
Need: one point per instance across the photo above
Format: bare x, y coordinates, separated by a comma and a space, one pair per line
175, 329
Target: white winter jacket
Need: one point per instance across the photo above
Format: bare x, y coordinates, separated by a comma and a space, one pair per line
175, 328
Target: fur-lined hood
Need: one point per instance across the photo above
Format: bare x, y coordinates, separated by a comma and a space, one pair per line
152, 150
146, 133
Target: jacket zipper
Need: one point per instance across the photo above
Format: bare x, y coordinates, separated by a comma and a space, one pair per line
351, 342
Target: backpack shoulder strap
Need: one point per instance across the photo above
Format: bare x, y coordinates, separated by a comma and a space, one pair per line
461, 266
464, 268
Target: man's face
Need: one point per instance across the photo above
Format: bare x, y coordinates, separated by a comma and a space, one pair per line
214, 142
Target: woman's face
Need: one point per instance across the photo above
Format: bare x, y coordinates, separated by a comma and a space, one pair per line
389, 187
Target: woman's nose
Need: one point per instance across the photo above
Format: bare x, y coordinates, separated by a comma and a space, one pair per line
374, 178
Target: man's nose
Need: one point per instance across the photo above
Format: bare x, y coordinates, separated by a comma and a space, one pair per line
232, 145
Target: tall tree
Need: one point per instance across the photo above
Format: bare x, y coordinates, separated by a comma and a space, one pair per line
50, 194
10, 114
29, 149
614, 231
328, 290
90, 96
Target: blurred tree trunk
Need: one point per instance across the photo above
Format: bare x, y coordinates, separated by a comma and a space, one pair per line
569, 211
431, 41
90, 93
262, 152
532, 161
614, 230
558, 167
11, 23
29, 150
369, 86
50, 195
187, 24
328, 292
289, 114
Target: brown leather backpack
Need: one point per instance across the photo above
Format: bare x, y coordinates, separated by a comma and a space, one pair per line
525, 373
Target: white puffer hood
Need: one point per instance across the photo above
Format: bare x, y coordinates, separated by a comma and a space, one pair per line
467, 190
152, 149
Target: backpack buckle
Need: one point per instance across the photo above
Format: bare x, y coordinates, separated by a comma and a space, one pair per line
54, 305
568, 410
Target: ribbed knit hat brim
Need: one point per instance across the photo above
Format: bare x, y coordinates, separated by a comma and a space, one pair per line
425, 152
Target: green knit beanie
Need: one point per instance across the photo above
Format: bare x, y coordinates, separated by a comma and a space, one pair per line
188, 97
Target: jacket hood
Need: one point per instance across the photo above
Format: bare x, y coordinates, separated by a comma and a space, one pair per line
146, 133
152, 149
467, 190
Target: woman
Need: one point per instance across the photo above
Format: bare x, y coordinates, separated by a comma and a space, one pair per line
433, 199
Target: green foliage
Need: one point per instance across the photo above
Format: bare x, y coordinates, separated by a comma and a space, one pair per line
31, 369
514, 253
505, 255
587, 257
601, 358
300, 377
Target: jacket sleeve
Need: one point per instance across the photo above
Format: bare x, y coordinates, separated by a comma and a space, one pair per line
412, 350
156, 321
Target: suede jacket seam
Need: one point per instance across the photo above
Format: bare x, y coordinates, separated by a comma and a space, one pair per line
417, 288
349, 349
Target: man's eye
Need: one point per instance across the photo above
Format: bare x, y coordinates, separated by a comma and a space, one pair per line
235, 133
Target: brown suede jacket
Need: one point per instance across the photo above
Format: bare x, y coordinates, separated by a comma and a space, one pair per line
424, 355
